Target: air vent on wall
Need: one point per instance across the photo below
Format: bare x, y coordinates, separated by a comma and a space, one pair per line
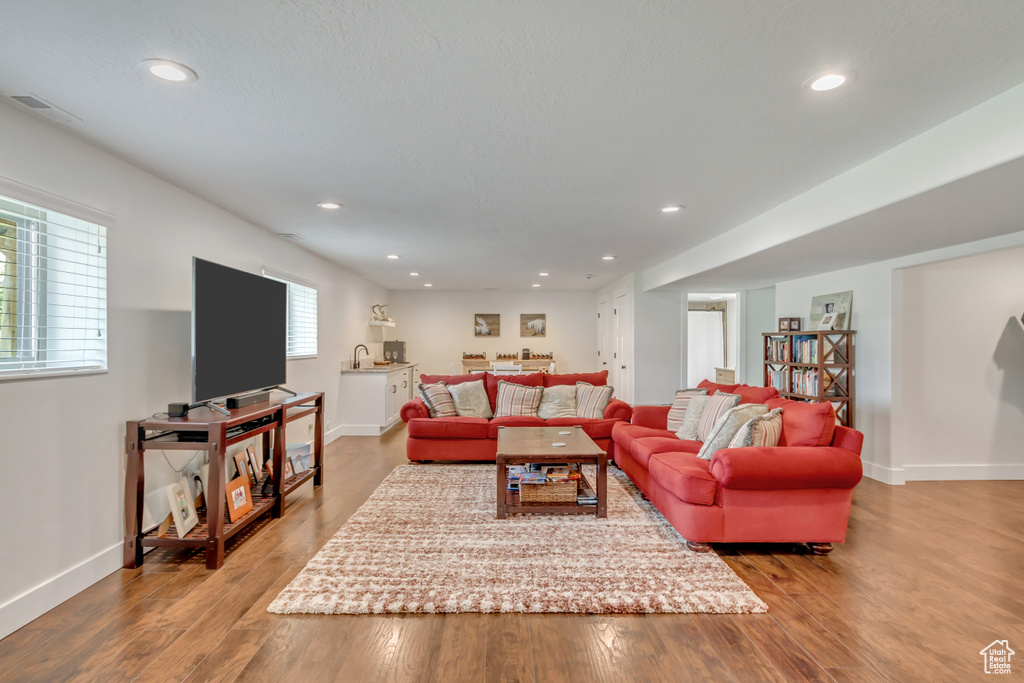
44, 108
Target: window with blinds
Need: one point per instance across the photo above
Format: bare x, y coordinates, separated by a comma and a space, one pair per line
302, 327
53, 292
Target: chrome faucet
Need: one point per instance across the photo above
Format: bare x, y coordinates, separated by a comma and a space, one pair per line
355, 355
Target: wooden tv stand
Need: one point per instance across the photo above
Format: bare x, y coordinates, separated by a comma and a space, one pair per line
214, 527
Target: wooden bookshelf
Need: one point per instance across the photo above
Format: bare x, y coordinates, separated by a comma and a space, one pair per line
813, 365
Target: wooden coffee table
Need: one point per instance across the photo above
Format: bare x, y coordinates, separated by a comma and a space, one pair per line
521, 445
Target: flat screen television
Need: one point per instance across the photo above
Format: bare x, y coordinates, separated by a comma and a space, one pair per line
239, 331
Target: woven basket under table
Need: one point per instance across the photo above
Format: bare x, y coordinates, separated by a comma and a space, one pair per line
551, 492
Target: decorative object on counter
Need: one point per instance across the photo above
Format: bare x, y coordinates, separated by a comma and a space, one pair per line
382, 362
839, 306
506, 356
473, 356
487, 324
394, 351
532, 324
526, 354
379, 315
541, 356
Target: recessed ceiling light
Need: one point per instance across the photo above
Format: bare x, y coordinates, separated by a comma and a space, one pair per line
392, 256
543, 274
414, 274
670, 209
608, 258
169, 71
329, 205
536, 285
827, 82
427, 284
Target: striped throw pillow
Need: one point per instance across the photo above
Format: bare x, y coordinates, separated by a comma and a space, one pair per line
677, 413
763, 431
516, 399
438, 399
591, 401
727, 426
702, 414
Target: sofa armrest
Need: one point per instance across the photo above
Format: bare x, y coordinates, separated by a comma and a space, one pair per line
655, 417
414, 408
786, 467
618, 410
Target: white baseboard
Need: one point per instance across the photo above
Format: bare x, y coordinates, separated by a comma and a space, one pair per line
971, 472
35, 602
886, 475
332, 435
358, 430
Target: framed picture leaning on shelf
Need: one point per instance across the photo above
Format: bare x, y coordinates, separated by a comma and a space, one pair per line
838, 305
183, 508
239, 497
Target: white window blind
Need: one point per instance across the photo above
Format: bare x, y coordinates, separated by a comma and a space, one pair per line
53, 292
302, 324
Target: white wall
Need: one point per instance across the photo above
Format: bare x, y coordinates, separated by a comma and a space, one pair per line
438, 326
658, 359
62, 448
758, 314
878, 314
963, 365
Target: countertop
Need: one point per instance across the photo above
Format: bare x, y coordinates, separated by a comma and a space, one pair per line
377, 368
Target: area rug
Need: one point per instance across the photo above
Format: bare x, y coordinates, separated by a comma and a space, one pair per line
427, 541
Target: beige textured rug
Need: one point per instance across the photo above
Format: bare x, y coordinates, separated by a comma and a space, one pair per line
427, 541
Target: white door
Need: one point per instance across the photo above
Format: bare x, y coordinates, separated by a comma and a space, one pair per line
605, 337
705, 345
622, 314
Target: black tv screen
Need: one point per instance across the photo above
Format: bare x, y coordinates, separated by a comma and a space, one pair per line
239, 331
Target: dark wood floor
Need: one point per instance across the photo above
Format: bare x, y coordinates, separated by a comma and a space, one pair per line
931, 574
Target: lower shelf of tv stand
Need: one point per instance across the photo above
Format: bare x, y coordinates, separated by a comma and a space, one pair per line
198, 535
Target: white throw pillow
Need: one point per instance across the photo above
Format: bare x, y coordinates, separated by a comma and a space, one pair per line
559, 401
727, 426
591, 401
763, 431
516, 399
677, 413
471, 399
702, 414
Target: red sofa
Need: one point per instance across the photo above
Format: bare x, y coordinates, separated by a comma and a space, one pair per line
797, 492
476, 438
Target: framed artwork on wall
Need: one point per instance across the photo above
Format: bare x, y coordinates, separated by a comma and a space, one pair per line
487, 324
839, 306
533, 324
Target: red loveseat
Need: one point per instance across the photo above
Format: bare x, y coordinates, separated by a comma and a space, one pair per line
797, 492
476, 438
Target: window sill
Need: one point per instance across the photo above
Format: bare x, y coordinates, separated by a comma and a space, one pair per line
22, 375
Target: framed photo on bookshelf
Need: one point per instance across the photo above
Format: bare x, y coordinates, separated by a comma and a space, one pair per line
839, 305
794, 324
183, 508
239, 497
783, 324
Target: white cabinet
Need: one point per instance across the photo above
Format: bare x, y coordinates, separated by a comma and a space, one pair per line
371, 400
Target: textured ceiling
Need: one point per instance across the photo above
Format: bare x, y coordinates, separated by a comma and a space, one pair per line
486, 141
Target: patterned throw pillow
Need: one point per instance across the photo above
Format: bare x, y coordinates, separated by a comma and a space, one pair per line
591, 401
516, 399
763, 431
471, 399
438, 399
702, 414
557, 401
677, 413
727, 426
